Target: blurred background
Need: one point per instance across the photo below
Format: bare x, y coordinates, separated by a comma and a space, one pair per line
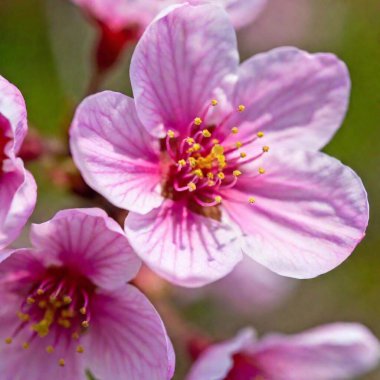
46, 50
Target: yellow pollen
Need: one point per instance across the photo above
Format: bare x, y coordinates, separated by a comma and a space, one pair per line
191, 186
260, 134
86, 324
196, 147
206, 133
182, 163
241, 108
235, 130
25, 345
67, 313
198, 173
30, 300
8, 340
190, 140
251, 200
80, 349
261, 170
170, 133
265, 148
214, 102
67, 300
64, 323
236, 173
83, 310
215, 141
42, 304
23, 317
192, 162
218, 199
239, 144
40, 292
49, 349
243, 154
221, 175
210, 175
197, 121
61, 362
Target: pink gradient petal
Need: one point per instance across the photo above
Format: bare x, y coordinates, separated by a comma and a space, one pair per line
217, 361
115, 155
297, 99
310, 213
129, 340
18, 195
186, 248
12, 106
332, 352
179, 64
89, 242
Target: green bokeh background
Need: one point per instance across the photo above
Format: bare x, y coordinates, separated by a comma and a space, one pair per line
45, 49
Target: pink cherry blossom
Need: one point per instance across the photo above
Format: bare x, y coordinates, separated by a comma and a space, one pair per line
332, 352
214, 158
18, 190
75, 310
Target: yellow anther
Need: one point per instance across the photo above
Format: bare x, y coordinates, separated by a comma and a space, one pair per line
196, 147
210, 175
221, 175
235, 130
86, 324
171, 133
197, 121
182, 163
243, 154
198, 173
236, 173
206, 133
215, 141
75, 336
251, 200
23, 317
210, 183
260, 134
25, 345
67, 300
64, 323
40, 292
241, 108
217, 150
214, 102
191, 186
42, 304
238, 144
80, 349
49, 349
192, 161
67, 313
265, 148
61, 362
190, 140
30, 300
218, 199
8, 340
261, 170
83, 310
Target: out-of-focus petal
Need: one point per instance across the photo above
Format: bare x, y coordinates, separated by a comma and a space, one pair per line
115, 155
182, 246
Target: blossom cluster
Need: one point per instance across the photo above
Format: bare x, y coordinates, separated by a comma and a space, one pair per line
218, 166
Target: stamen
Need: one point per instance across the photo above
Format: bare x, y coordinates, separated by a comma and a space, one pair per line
214, 141
260, 134
192, 161
30, 300
210, 175
198, 173
191, 186
251, 200
49, 349
236, 173
8, 340
261, 170
238, 144
214, 102
80, 349
83, 310
40, 292
218, 199
25, 345
67, 300
235, 130
265, 148
221, 175
170, 134
206, 133
198, 121
241, 108
243, 154
86, 324
61, 362
181, 163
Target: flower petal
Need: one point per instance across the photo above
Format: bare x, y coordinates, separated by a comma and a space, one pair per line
129, 340
12, 106
88, 241
18, 195
216, 361
310, 213
115, 155
332, 352
181, 61
186, 248
297, 99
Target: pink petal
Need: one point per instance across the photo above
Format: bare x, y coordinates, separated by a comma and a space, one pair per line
129, 340
12, 106
217, 361
297, 99
116, 157
310, 213
18, 194
182, 246
181, 61
88, 241
333, 352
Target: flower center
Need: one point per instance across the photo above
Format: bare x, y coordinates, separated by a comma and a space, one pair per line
204, 164
58, 305
4, 126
